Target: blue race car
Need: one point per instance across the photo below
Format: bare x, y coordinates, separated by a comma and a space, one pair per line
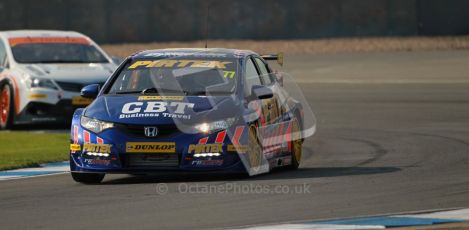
187, 110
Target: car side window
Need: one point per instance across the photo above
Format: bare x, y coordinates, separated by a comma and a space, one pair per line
3, 55
252, 77
263, 71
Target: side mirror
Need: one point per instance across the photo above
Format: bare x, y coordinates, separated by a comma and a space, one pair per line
261, 92
90, 91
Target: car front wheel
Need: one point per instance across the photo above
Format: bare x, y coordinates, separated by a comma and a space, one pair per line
254, 150
88, 178
6, 106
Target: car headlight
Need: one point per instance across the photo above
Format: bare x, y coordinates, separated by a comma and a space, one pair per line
95, 125
41, 83
216, 125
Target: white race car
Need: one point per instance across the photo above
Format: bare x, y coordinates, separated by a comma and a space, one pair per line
42, 73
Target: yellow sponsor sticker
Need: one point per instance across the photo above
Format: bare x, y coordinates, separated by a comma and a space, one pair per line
75, 147
180, 64
229, 74
79, 100
205, 148
37, 96
97, 148
164, 98
150, 147
238, 148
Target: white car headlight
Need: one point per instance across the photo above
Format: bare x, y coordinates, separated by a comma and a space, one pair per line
95, 125
216, 125
42, 83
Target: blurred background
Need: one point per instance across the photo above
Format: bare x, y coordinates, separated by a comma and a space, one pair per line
119, 21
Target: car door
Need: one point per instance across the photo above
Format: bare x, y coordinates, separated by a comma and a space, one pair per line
270, 106
266, 109
253, 78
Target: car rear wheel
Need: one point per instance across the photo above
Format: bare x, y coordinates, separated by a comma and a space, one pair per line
88, 178
6, 107
297, 145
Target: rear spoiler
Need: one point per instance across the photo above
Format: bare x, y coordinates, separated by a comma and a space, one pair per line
270, 57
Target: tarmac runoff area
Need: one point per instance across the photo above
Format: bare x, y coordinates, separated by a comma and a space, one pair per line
391, 140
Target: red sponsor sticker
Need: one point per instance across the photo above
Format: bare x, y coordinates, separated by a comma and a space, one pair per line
237, 135
75, 136
207, 162
86, 136
288, 137
42, 40
203, 141
98, 161
220, 137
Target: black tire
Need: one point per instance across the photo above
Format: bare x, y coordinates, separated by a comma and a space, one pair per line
6, 120
254, 150
88, 178
297, 145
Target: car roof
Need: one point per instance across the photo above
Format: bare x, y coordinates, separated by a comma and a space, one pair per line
193, 52
40, 33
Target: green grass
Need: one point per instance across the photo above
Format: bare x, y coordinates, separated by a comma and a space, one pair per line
29, 149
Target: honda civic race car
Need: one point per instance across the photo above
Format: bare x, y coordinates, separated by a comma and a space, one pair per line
187, 110
42, 73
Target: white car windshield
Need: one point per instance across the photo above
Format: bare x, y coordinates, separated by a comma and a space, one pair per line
57, 53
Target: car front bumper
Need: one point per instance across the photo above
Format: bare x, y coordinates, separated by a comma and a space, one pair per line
117, 150
50, 106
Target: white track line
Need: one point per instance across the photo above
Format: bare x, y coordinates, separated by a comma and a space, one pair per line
316, 227
44, 170
462, 214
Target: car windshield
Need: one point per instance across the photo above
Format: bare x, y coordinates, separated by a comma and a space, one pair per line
57, 53
187, 76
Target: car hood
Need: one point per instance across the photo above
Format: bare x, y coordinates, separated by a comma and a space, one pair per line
185, 110
87, 73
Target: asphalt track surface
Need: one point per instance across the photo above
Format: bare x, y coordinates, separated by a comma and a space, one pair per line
392, 137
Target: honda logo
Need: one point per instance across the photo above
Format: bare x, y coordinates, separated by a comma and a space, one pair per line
151, 131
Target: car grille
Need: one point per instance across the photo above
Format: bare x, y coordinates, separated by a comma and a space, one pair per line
73, 87
152, 160
138, 130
